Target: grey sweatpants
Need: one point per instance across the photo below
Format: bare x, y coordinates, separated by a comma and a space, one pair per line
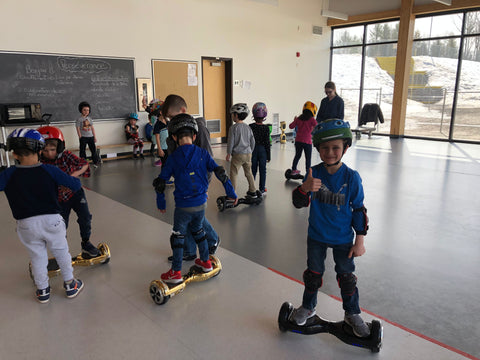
42, 232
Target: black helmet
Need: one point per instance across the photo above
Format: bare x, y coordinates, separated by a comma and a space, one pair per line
182, 123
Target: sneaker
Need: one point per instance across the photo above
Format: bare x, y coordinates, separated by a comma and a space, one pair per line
359, 327
142, 157
213, 249
158, 162
185, 257
72, 289
43, 295
135, 156
171, 276
205, 265
295, 172
253, 195
301, 315
89, 250
263, 191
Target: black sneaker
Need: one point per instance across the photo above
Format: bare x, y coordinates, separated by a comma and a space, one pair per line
252, 195
142, 157
213, 249
43, 295
185, 257
89, 250
73, 288
135, 156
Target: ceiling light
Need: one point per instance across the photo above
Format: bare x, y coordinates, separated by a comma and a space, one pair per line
336, 14
444, 2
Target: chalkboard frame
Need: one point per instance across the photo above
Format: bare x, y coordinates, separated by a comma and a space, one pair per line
123, 104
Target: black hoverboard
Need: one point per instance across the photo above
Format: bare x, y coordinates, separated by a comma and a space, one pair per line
340, 329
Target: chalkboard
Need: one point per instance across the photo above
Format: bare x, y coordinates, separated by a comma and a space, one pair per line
60, 82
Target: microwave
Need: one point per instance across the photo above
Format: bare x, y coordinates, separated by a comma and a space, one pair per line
21, 114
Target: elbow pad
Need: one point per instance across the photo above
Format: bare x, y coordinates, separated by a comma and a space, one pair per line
299, 198
221, 175
159, 185
360, 221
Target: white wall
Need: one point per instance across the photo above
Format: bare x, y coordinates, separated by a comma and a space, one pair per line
262, 39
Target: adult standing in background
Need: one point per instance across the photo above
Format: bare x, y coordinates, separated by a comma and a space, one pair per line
332, 106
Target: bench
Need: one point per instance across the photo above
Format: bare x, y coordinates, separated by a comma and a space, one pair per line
115, 155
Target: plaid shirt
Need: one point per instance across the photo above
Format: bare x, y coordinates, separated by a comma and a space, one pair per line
68, 163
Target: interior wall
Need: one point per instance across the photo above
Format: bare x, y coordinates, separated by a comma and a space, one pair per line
262, 38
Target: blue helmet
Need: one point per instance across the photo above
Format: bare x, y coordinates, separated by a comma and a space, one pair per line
25, 139
133, 116
332, 129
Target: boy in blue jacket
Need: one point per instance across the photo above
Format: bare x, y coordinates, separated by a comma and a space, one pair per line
32, 192
189, 165
334, 193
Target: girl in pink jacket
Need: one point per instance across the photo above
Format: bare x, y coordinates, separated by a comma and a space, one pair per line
305, 124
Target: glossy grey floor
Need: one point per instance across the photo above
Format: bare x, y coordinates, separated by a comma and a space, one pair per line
420, 270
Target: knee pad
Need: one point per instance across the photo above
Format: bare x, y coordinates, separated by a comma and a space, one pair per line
197, 233
347, 283
176, 241
313, 281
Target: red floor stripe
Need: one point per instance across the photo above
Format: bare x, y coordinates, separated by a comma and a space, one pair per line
468, 356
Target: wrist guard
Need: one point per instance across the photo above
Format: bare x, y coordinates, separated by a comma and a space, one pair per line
299, 198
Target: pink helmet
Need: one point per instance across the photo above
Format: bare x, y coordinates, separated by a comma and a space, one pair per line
259, 110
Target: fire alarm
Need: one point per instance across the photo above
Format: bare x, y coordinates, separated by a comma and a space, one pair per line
298, 54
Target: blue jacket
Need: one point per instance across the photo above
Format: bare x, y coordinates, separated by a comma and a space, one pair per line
190, 165
336, 210
33, 190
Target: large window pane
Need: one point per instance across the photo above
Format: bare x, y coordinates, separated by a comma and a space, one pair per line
467, 120
346, 73
472, 23
379, 79
348, 36
438, 26
431, 89
382, 32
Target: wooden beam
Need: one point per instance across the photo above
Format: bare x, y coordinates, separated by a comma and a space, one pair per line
402, 68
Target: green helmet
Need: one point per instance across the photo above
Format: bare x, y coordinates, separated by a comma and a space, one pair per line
332, 129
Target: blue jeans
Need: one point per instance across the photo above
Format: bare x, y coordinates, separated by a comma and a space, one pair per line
259, 160
307, 148
183, 223
212, 238
78, 202
316, 254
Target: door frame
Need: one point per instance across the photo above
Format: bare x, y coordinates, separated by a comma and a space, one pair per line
228, 89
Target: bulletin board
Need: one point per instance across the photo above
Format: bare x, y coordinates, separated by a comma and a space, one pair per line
177, 77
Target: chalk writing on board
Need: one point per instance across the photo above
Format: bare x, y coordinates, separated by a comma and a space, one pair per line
87, 66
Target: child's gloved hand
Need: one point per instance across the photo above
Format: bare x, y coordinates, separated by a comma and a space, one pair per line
311, 184
161, 204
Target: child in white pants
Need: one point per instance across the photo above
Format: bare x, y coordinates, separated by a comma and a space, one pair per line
32, 192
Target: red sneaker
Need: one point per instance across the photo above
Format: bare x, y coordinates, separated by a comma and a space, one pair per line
171, 276
205, 265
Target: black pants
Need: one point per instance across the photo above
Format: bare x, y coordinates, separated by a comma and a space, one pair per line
84, 141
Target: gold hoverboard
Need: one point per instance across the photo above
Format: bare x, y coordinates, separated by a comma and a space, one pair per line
54, 269
160, 291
